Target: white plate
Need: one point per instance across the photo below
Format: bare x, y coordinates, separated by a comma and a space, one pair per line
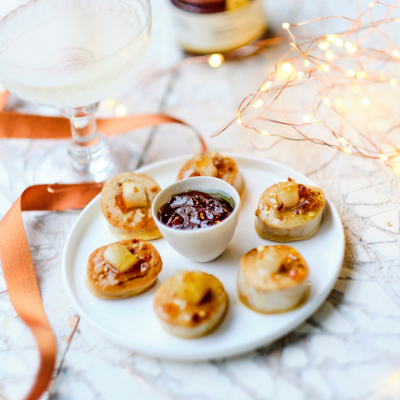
132, 322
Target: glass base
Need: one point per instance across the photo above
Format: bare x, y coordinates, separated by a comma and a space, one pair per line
91, 161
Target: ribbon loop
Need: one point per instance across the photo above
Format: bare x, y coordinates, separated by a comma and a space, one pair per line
15, 255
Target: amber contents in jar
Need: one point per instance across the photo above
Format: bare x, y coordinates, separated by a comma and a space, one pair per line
216, 26
193, 210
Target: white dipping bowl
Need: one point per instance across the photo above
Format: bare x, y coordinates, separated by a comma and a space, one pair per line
203, 244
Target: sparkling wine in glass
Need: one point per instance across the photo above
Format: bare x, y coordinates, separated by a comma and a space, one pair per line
70, 54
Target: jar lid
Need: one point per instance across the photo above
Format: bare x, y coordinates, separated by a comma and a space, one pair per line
201, 6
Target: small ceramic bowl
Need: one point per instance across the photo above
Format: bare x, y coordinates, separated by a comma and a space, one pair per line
203, 244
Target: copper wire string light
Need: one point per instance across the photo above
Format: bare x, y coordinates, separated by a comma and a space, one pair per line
333, 62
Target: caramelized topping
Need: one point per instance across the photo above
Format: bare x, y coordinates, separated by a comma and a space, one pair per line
275, 264
118, 263
189, 297
290, 196
120, 203
308, 200
119, 257
209, 164
191, 286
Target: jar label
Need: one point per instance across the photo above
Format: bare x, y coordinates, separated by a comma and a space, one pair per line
219, 32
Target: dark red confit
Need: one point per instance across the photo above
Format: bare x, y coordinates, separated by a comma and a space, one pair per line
194, 210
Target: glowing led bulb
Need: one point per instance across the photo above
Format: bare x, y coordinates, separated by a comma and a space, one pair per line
371, 4
239, 120
350, 72
330, 54
365, 101
308, 118
330, 38
110, 104
325, 68
383, 157
259, 103
361, 74
327, 101
265, 133
287, 68
339, 102
396, 54
265, 86
350, 47
216, 60
120, 111
393, 82
306, 62
338, 42
324, 45
300, 74
347, 150
285, 25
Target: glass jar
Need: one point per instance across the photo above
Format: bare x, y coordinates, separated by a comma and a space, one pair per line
217, 26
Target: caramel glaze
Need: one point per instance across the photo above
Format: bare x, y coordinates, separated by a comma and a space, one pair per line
194, 210
182, 313
121, 204
103, 275
225, 166
308, 200
292, 270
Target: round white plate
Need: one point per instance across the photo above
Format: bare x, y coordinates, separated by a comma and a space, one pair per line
132, 322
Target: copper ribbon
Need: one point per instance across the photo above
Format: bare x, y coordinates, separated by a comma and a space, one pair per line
19, 272
18, 269
25, 126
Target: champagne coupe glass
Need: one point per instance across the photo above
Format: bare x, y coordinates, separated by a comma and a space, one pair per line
70, 54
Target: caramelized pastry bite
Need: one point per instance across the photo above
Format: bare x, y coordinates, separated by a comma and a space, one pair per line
123, 269
126, 201
272, 279
289, 211
214, 165
190, 304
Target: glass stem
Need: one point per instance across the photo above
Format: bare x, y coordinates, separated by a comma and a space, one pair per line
88, 148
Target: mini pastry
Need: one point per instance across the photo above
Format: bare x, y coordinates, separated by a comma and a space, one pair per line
272, 279
190, 304
289, 211
123, 269
126, 203
215, 165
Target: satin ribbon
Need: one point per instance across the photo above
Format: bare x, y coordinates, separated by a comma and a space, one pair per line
16, 260
25, 126
19, 272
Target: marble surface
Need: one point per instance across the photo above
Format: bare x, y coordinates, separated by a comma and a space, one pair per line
350, 349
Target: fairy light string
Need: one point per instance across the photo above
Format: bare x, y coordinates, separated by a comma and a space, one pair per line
331, 61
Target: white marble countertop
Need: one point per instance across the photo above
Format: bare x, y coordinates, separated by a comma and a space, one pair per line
350, 349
